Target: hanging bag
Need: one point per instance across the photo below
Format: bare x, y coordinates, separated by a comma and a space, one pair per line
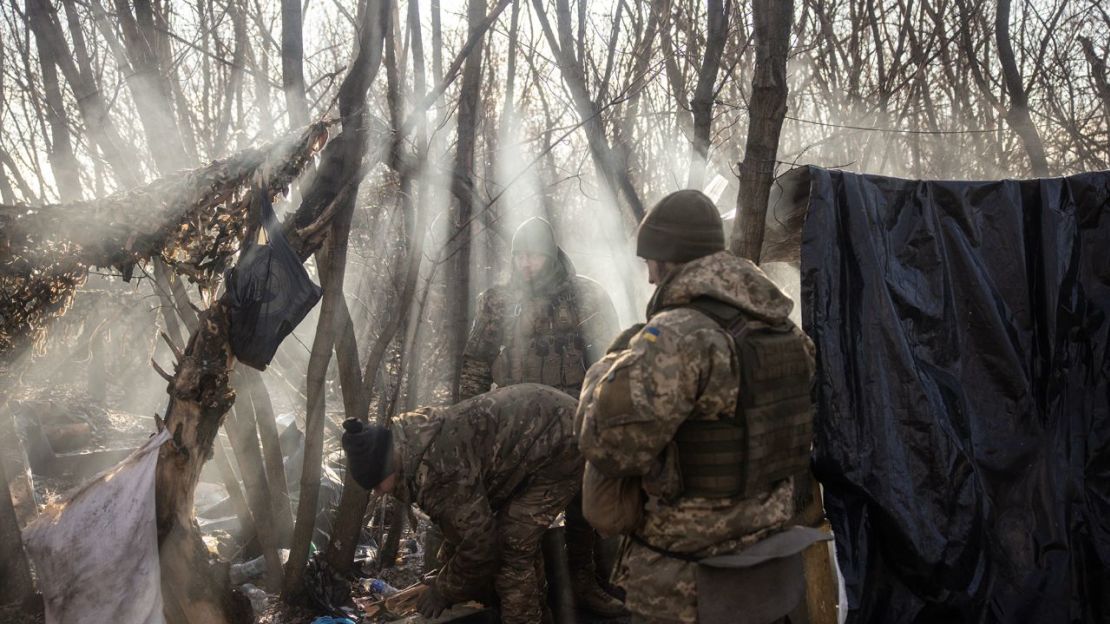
269, 291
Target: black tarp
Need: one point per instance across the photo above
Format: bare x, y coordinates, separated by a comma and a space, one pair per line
269, 291
962, 390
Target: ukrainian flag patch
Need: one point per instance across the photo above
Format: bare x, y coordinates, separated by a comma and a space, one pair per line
651, 333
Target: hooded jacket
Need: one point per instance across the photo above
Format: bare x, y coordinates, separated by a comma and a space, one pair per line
546, 331
681, 366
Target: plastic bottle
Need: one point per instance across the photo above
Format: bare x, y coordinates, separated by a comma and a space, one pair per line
382, 588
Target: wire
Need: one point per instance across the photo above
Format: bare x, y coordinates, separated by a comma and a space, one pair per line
892, 130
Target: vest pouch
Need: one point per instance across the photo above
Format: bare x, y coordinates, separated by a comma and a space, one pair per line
759, 584
768, 438
711, 457
613, 506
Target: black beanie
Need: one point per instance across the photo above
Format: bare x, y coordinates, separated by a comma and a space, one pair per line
367, 448
535, 236
683, 226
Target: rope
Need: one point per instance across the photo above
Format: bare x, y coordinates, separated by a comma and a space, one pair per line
892, 130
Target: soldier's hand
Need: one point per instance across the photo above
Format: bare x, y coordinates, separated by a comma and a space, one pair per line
431, 603
620, 343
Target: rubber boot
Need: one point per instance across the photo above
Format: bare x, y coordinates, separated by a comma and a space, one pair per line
554, 578
588, 593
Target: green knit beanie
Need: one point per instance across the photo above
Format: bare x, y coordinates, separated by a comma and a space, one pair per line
683, 226
535, 236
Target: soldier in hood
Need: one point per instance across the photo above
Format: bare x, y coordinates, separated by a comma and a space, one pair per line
547, 325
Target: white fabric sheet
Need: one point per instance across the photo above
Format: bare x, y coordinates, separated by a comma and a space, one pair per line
96, 552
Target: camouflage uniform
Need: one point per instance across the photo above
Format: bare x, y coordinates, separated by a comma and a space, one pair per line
492, 473
546, 331
680, 366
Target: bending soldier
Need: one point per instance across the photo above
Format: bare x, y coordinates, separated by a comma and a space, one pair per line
547, 325
492, 473
706, 410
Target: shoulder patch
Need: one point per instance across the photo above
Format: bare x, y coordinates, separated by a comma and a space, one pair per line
651, 333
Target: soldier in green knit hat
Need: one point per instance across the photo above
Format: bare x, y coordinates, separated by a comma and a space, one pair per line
706, 411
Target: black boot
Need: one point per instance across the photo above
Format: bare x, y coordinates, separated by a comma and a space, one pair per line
588, 592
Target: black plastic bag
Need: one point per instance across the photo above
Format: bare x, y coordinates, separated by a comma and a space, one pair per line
269, 292
963, 390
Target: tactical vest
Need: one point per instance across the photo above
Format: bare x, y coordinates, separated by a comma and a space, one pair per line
542, 343
768, 438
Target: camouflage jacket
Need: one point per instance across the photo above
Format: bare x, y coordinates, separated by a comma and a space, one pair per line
464, 463
547, 333
680, 366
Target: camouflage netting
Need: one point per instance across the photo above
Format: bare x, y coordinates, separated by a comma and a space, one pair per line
193, 221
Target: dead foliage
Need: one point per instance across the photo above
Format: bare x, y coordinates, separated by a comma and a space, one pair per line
193, 221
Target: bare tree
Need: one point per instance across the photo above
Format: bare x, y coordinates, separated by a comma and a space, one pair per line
767, 109
15, 572
1018, 115
462, 187
336, 182
1097, 64
717, 14
611, 163
62, 159
292, 62
79, 74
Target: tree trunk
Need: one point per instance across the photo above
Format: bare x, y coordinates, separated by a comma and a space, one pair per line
62, 159
149, 87
705, 92
1018, 115
271, 453
234, 90
508, 116
14, 570
352, 506
234, 493
767, 110
242, 434
1097, 65
356, 400
336, 181
334, 257
195, 586
462, 206
292, 62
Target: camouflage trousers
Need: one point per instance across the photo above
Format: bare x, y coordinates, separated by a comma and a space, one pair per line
519, 583
661, 589
520, 526
657, 589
